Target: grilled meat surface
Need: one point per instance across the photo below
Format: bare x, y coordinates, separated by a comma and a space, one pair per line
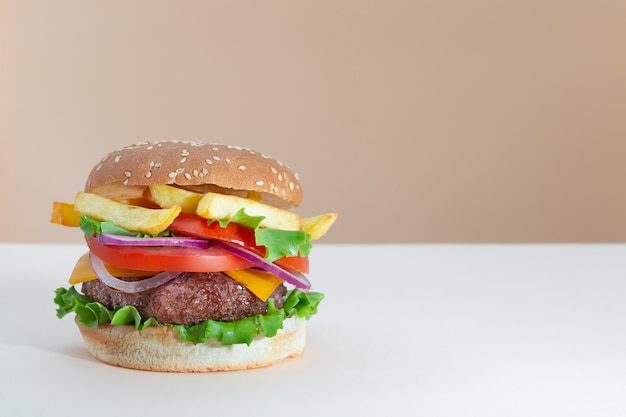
189, 299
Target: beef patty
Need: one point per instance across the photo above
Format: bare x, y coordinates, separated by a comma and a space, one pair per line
189, 299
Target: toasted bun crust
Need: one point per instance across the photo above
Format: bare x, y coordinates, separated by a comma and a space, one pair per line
160, 348
200, 165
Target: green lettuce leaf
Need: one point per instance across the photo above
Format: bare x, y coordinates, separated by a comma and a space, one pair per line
281, 243
91, 314
89, 226
278, 243
240, 331
243, 219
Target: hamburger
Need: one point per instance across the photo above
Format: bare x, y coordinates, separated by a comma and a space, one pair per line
196, 261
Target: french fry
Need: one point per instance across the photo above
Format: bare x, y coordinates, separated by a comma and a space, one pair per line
317, 226
135, 218
224, 207
64, 214
166, 196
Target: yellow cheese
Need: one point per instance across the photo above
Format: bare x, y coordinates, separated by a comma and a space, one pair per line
262, 284
82, 271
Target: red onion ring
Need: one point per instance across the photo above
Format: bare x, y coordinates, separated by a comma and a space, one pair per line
292, 277
122, 240
132, 287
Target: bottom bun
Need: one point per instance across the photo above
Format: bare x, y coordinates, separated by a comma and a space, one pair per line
159, 348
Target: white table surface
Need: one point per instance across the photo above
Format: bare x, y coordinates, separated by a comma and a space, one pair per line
423, 330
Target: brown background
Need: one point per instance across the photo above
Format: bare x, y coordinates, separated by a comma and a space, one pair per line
418, 121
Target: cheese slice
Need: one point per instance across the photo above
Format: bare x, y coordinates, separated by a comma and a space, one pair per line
262, 284
82, 271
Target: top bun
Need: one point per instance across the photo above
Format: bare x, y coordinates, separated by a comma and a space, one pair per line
200, 166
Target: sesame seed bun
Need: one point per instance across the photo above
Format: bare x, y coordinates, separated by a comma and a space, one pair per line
159, 348
200, 166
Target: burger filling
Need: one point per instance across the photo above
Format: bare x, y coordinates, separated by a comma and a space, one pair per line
189, 299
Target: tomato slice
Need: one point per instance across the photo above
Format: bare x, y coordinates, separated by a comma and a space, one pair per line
299, 263
159, 258
192, 225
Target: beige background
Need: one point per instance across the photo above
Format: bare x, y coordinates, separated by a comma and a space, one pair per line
419, 121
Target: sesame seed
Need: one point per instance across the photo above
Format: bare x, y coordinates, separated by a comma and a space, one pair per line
217, 158
280, 177
241, 167
274, 170
195, 172
228, 160
117, 158
172, 175
260, 183
291, 185
187, 175
208, 161
125, 182
99, 167
183, 160
127, 174
184, 152
148, 174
